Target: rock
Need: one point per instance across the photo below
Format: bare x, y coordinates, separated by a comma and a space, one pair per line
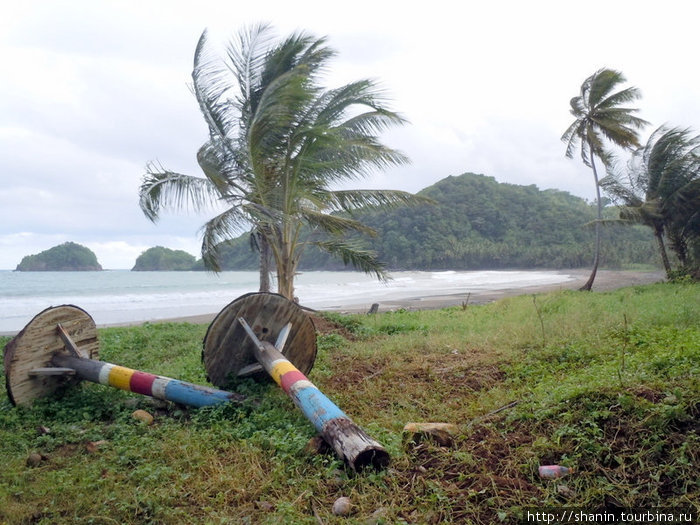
441, 434
144, 416
565, 491
42, 430
92, 446
265, 506
342, 507
34, 459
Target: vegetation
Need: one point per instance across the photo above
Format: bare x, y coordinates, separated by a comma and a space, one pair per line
479, 223
278, 140
601, 119
68, 257
164, 259
606, 383
660, 188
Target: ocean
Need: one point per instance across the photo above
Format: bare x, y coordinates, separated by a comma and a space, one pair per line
122, 296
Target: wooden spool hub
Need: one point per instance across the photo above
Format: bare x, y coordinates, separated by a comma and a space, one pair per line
228, 351
34, 347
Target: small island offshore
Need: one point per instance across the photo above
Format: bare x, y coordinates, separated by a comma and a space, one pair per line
66, 257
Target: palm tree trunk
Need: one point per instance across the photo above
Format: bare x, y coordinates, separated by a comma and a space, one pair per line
285, 278
286, 267
596, 257
658, 233
264, 247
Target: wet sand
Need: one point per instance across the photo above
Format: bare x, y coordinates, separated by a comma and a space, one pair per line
605, 280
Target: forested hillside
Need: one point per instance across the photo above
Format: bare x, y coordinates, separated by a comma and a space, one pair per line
476, 223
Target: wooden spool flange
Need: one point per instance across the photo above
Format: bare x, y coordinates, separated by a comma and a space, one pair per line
227, 350
34, 347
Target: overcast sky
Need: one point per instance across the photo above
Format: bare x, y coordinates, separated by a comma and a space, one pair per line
91, 91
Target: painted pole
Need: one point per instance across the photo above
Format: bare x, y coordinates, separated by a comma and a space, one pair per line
143, 383
59, 347
349, 441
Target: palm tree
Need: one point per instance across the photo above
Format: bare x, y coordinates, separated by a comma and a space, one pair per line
661, 188
277, 143
601, 119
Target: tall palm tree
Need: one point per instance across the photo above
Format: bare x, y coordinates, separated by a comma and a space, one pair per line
277, 143
601, 119
660, 188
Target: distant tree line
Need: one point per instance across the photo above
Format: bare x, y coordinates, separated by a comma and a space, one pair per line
478, 223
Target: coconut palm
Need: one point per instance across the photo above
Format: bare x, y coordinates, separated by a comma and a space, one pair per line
277, 144
660, 188
601, 120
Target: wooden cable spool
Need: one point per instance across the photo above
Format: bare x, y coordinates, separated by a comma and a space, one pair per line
228, 354
35, 346
59, 347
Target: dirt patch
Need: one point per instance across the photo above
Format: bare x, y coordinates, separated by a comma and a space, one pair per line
480, 469
326, 326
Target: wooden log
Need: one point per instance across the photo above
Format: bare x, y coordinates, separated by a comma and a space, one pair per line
348, 440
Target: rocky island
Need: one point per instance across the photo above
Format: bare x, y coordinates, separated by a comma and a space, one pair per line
66, 257
160, 259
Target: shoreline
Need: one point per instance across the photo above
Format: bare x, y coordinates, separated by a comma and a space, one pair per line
606, 280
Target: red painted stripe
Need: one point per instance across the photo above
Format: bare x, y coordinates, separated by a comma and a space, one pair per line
141, 383
291, 377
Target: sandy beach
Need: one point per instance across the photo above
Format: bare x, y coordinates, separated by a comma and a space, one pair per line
605, 280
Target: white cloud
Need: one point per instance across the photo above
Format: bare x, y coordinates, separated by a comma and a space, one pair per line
95, 90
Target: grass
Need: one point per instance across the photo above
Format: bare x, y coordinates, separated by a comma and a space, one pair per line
606, 383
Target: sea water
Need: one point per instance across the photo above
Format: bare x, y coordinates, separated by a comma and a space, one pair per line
122, 296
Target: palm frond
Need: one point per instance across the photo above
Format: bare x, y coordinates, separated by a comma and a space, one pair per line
350, 253
349, 200
211, 83
162, 188
334, 224
224, 227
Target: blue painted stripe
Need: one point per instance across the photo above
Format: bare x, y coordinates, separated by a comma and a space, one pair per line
194, 395
316, 406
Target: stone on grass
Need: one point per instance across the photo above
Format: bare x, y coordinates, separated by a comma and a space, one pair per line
144, 416
342, 507
441, 434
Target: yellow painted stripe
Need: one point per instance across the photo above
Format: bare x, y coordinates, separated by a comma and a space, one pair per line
119, 377
281, 368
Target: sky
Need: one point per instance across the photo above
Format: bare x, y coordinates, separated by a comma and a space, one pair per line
92, 91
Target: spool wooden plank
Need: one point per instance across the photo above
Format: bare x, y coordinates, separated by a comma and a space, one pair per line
34, 347
227, 350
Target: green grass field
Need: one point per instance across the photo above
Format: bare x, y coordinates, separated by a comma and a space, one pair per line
605, 383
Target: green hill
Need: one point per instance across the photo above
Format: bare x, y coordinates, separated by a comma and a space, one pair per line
66, 257
162, 259
479, 223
